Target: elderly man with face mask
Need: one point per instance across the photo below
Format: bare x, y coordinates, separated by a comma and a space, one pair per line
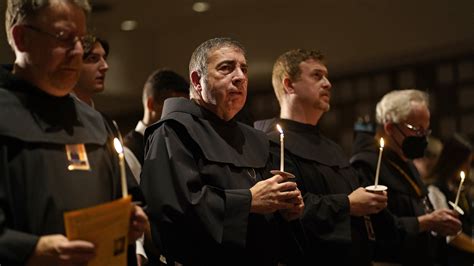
204, 173
404, 118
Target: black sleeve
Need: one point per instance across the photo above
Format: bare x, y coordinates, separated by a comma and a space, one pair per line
388, 226
325, 216
15, 246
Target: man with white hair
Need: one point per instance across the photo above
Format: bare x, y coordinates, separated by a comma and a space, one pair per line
404, 118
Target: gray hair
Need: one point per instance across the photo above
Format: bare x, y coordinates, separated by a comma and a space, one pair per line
199, 59
20, 11
397, 105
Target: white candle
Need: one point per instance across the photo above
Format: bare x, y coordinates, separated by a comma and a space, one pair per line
282, 148
119, 149
377, 171
462, 175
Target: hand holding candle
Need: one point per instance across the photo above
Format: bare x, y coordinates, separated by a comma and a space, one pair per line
119, 148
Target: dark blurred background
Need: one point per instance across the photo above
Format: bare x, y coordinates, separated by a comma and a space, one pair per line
371, 46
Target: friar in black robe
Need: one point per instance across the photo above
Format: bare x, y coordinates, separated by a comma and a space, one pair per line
38, 181
408, 200
334, 195
325, 178
404, 131
204, 174
196, 178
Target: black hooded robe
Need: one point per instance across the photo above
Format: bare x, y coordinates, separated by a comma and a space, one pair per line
36, 187
325, 178
407, 199
196, 178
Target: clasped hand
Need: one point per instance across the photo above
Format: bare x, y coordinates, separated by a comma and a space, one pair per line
277, 194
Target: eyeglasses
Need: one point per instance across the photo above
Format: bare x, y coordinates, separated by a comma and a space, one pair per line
67, 40
419, 131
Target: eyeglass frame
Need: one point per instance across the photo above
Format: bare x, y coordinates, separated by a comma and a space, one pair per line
87, 41
419, 131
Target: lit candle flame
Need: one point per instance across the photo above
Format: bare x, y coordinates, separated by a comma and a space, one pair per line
462, 175
119, 148
279, 129
282, 148
377, 171
118, 145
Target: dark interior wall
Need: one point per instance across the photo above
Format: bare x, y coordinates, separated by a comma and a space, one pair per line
449, 82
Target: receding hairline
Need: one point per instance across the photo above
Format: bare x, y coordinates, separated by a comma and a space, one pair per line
215, 48
27, 11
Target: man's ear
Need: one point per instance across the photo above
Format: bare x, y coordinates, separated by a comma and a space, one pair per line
388, 128
19, 37
288, 85
150, 103
196, 81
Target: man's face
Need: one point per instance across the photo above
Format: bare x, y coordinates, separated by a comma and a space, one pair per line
54, 63
94, 68
224, 92
312, 88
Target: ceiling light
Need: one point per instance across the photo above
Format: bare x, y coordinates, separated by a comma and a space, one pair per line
129, 25
201, 7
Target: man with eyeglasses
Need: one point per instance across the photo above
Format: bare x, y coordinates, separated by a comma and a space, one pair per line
55, 152
404, 118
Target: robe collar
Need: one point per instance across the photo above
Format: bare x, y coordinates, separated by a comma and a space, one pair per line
35, 116
220, 141
307, 142
405, 170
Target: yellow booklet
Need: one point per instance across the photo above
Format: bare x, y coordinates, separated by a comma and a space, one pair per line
106, 226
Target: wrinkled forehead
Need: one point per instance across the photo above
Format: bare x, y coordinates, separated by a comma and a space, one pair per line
419, 115
62, 13
226, 53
